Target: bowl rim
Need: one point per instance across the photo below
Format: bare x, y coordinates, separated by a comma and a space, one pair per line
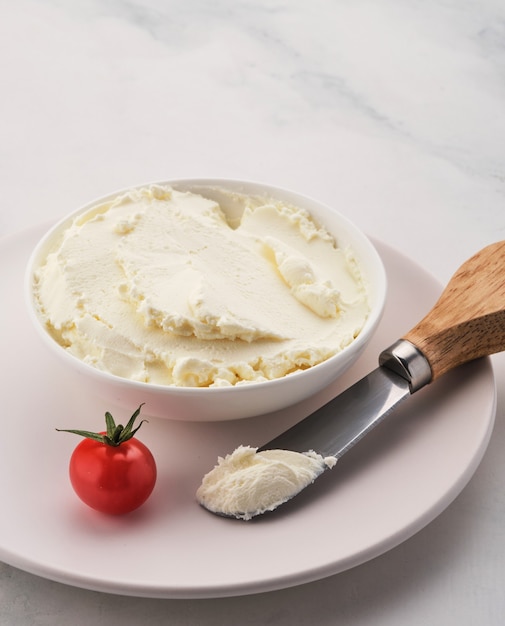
359, 342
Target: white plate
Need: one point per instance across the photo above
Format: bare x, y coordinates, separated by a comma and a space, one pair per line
382, 492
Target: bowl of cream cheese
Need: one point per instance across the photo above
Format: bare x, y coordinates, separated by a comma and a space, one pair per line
206, 299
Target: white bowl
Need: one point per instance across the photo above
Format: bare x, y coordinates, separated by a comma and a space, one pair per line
232, 402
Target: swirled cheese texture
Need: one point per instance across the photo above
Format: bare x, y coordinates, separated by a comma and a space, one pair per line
158, 285
247, 483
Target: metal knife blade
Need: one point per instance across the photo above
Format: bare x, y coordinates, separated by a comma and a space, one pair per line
338, 425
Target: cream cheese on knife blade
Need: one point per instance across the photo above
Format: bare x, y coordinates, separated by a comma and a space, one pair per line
247, 483
157, 286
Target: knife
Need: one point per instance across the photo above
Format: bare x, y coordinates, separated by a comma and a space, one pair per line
467, 322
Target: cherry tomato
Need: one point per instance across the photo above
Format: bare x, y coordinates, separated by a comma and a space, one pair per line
112, 471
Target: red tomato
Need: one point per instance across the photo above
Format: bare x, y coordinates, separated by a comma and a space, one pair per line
112, 471
113, 480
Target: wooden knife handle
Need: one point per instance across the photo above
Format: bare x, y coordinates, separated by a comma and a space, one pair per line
468, 320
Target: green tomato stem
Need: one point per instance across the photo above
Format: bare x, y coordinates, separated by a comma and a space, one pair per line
115, 435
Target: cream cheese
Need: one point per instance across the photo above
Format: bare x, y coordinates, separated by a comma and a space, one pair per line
158, 285
247, 483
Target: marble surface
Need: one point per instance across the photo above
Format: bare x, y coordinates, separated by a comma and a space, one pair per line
392, 112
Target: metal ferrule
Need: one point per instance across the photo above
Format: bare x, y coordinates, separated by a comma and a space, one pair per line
409, 362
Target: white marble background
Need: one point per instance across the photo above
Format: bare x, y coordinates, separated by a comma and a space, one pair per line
393, 112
